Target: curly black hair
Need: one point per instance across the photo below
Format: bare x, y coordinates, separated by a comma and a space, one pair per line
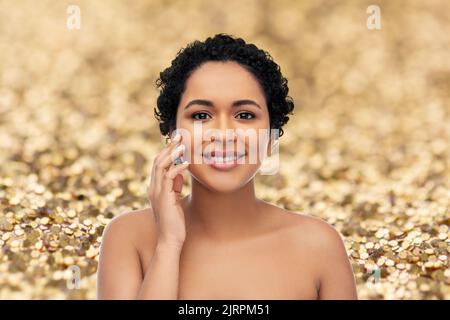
222, 47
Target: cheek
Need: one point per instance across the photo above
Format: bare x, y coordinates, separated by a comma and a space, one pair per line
182, 122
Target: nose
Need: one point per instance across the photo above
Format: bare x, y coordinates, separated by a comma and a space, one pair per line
227, 131
226, 140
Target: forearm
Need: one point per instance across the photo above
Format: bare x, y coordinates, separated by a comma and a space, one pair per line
162, 275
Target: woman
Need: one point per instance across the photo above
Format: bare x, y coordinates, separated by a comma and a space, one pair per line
220, 241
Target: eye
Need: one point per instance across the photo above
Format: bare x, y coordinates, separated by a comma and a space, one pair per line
201, 115
247, 116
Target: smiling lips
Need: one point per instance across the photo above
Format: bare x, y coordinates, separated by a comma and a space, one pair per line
222, 161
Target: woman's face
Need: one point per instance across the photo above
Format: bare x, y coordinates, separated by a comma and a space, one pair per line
223, 112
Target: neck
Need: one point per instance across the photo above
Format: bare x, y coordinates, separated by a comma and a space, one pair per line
220, 215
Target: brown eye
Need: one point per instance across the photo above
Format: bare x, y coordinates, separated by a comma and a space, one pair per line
201, 116
247, 115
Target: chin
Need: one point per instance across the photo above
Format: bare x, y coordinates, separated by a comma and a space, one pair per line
223, 181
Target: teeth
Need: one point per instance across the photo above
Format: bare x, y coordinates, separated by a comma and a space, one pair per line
222, 159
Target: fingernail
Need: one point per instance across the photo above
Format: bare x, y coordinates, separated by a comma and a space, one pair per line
177, 137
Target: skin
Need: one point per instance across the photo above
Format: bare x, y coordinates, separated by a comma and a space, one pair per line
225, 243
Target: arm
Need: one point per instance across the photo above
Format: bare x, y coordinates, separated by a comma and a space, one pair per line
161, 278
336, 277
119, 273
119, 270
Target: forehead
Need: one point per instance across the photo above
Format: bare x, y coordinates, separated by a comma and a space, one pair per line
217, 79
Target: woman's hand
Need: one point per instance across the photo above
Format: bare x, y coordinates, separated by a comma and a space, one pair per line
165, 192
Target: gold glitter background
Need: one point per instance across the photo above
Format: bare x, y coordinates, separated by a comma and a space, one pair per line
367, 148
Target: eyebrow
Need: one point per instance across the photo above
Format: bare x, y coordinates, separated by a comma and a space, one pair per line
208, 103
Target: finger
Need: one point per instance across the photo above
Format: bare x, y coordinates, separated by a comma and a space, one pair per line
169, 177
168, 148
177, 139
164, 165
178, 185
151, 186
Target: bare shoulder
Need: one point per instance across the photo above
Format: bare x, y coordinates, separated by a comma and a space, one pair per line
133, 227
324, 248
125, 237
307, 229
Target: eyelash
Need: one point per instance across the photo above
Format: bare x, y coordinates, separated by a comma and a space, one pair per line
253, 116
